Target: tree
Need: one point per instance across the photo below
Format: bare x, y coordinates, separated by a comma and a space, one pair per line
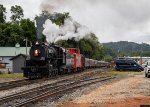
108, 58
60, 18
13, 34
2, 13
91, 48
16, 32
28, 30
109, 52
3, 36
17, 13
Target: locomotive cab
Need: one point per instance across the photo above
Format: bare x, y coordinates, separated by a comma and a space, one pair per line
78, 59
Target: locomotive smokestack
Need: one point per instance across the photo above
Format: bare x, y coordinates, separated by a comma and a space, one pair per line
39, 22
52, 44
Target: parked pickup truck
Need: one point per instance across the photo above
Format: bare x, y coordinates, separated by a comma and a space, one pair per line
147, 69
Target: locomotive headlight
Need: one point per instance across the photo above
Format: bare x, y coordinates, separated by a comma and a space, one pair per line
36, 52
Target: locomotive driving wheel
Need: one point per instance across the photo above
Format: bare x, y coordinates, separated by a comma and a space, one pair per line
50, 71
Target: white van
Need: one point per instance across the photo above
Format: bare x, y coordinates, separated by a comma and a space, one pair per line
147, 69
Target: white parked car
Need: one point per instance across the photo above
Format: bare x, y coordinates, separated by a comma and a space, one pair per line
144, 65
147, 69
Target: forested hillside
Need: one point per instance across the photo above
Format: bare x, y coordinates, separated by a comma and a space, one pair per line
124, 48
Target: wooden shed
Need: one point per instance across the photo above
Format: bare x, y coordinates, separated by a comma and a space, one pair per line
18, 62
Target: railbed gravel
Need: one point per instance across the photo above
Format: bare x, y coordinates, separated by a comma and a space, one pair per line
132, 87
69, 96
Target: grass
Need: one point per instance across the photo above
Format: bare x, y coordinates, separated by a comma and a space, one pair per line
118, 73
13, 76
114, 72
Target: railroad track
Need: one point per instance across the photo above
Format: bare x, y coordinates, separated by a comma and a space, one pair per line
28, 97
12, 84
18, 83
24, 93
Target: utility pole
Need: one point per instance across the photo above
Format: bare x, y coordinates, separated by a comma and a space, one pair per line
26, 44
26, 39
141, 62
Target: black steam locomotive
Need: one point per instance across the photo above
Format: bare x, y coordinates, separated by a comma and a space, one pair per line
44, 61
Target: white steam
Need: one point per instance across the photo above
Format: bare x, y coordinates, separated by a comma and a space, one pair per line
50, 30
69, 30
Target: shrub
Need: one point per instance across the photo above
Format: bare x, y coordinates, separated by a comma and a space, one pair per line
1, 72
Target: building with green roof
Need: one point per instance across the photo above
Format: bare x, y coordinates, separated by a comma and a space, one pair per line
6, 53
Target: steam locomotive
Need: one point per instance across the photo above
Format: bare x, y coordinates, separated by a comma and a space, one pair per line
51, 60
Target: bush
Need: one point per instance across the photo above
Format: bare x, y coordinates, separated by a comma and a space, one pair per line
1, 72
9, 72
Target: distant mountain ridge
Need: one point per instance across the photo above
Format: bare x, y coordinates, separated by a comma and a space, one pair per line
128, 48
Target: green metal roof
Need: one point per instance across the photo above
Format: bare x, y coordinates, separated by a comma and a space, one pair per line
13, 51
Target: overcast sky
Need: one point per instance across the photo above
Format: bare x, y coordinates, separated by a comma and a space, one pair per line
110, 20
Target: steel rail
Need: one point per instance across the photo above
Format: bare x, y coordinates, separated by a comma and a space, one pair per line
12, 84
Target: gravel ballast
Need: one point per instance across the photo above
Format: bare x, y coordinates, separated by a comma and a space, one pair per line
120, 93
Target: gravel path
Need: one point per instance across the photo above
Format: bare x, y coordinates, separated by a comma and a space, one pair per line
135, 88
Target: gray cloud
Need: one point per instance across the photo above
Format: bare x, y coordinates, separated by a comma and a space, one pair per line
111, 20
30, 7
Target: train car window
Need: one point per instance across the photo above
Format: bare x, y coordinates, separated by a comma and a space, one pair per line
70, 55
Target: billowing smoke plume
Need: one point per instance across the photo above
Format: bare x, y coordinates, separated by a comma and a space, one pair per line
69, 30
